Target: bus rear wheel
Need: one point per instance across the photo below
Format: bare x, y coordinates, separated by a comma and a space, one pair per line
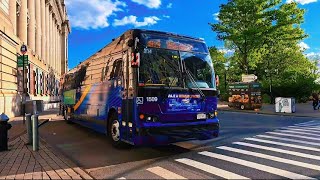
65, 115
114, 131
242, 107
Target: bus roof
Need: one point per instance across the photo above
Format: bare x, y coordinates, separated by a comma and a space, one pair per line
168, 33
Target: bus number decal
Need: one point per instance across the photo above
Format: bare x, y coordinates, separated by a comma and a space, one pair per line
152, 99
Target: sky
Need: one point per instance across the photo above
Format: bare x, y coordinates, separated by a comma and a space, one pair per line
94, 23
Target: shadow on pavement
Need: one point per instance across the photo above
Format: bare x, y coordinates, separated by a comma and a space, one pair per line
90, 149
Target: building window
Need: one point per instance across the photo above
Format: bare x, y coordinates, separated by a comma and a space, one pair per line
4, 5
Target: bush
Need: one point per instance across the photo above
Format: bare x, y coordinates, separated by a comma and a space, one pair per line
266, 98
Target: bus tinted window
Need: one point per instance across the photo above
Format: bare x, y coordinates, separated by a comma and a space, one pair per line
173, 43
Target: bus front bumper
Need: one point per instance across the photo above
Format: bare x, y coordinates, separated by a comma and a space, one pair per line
164, 135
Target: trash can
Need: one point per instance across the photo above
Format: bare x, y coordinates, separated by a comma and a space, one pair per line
4, 127
285, 104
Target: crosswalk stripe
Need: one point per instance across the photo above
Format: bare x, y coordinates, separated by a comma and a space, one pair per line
210, 169
309, 122
304, 155
300, 129
273, 158
295, 132
291, 135
257, 166
284, 144
164, 173
308, 127
291, 140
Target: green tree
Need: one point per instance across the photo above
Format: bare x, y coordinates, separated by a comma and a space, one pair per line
252, 27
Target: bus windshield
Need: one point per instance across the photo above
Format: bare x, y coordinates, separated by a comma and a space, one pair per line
165, 58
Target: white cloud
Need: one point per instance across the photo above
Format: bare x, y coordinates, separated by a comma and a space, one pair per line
226, 51
303, 2
169, 5
149, 3
92, 14
313, 55
303, 46
132, 20
166, 16
215, 15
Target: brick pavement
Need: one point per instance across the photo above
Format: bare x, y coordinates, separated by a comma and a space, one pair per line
20, 162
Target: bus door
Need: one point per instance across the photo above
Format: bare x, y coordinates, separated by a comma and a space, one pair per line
127, 99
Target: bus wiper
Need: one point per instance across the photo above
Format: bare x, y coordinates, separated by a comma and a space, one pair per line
203, 97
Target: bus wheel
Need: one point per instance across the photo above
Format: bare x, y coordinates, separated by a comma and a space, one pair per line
65, 115
114, 131
242, 107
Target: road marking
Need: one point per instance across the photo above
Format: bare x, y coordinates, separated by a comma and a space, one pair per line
307, 126
257, 166
309, 122
273, 158
210, 169
310, 128
295, 132
284, 144
291, 135
121, 178
299, 129
309, 156
287, 139
164, 173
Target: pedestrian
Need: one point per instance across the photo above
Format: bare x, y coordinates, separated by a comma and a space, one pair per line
315, 101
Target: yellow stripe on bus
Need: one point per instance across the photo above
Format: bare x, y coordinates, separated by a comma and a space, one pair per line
85, 92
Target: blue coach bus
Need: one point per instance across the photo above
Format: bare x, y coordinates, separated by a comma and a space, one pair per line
145, 88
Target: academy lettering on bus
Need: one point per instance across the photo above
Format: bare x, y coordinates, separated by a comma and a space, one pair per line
145, 88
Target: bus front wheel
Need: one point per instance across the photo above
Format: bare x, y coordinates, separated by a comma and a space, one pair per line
242, 107
114, 131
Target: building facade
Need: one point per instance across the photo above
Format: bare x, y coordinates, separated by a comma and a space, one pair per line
43, 26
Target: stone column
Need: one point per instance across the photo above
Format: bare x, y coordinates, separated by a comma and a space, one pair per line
39, 29
63, 49
31, 27
13, 14
59, 51
47, 35
54, 28
23, 20
43, 31
50, 39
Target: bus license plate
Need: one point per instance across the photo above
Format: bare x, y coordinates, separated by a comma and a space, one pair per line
201, 116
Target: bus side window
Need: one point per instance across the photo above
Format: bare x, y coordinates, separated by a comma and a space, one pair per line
116, 69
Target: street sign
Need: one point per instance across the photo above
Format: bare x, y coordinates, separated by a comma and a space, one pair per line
23, 49
21, 59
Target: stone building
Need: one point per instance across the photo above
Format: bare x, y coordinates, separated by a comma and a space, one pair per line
43, 26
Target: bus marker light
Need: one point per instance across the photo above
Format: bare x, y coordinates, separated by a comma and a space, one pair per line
123, 123
141, 116
130, 125
119, 110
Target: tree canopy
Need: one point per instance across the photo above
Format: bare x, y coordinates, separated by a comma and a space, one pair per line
265, 35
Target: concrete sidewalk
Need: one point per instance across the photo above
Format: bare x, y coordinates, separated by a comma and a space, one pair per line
302, 110
18, 128
20, 162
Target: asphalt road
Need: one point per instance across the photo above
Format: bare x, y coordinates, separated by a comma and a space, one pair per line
271, 152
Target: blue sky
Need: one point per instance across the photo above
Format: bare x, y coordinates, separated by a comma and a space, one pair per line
95, 22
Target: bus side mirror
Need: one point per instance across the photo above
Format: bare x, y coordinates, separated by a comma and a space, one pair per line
130, 43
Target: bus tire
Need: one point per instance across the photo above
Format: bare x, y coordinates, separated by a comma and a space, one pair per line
114, 130
242, 107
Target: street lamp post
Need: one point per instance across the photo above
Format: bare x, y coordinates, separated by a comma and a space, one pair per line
226, 67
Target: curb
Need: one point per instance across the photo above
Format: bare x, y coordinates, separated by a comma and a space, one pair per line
267, 113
